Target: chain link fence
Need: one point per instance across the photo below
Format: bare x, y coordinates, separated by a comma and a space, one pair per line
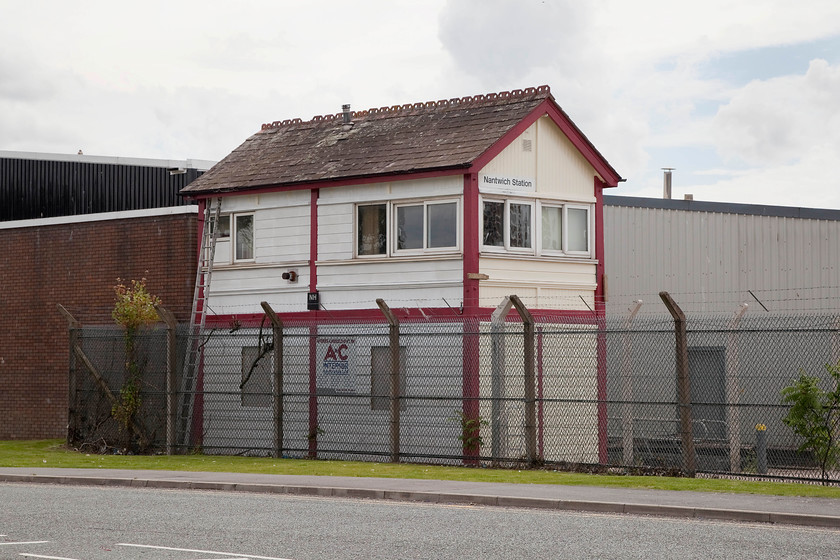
575, 392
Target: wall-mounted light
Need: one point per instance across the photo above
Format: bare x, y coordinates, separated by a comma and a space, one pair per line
290, 275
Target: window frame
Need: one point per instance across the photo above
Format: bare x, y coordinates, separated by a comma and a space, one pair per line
357, 224
425, 249
589, 229
537, 249
392, 228
507, 246
234, 234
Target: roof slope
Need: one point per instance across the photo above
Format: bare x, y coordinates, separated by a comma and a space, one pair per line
414, 138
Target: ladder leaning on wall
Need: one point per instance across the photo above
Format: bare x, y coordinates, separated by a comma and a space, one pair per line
198, 316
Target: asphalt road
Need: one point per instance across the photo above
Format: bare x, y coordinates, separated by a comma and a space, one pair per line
93, 523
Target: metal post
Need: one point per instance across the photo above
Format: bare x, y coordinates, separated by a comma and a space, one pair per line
627, 428
394, 342
497, 379
683, 384
530, 381
733, 391
73, 327
761, 448
277, 388
171, 368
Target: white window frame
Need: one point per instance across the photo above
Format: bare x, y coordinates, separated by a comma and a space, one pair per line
357, 225
507, 248
536, 228
589, 229
233, 234
425, 249
391, 226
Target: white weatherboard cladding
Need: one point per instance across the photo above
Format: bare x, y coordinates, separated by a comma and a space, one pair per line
241, 289
281, 244
281, 227
348, 283
540, 283
433, 393
566, 368
226, 420
421, 189
558, 168
400, 282
708, 260
336, 234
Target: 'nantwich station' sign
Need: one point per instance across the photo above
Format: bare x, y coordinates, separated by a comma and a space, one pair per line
503, 184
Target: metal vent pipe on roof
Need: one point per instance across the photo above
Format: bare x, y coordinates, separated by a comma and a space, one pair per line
345, 109
666, 187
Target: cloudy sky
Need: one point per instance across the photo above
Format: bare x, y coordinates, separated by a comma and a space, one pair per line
742, 98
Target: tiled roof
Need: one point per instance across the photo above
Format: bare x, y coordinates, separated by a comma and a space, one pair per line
431, 136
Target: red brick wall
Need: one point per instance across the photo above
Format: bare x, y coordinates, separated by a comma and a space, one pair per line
76, 265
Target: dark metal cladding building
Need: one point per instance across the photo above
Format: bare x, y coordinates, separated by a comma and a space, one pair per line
37, 185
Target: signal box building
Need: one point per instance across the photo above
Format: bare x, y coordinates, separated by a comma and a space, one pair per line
441, 209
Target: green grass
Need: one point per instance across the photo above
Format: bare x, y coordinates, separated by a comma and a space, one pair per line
52, 453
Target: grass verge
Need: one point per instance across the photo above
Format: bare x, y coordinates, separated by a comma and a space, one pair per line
52, 453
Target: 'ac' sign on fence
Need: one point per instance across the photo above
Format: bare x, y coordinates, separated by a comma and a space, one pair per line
337, 365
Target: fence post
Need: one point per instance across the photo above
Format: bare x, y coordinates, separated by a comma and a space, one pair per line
733, 391
171, 369
394, 342
277, 389
530, 380
627, 427
73, 327
497, 379
683, 384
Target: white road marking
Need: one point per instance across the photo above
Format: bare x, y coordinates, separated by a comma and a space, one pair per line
233, 555
27, 542
27, 555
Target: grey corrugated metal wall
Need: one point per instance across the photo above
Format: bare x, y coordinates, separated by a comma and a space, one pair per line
709, 256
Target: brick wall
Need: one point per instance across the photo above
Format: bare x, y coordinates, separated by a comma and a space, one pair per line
76, 265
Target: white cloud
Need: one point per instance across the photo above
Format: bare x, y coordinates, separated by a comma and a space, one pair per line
800, 184
502, 42
782, 119
188, 79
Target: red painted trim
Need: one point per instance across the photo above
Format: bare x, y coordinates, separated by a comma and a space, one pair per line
572, 132
313, 240
202, 205
540, 403
444, 314
197, 423
470, 360
600, 294
600, 312
385, 178
472, 236
313, 392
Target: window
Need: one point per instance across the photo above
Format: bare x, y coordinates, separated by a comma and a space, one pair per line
243, 237
234, 239
562, 229
429, 225
224, 227
372, 227
507, 225
578, 230
380, 377
257, 367
388, 228
552, 228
